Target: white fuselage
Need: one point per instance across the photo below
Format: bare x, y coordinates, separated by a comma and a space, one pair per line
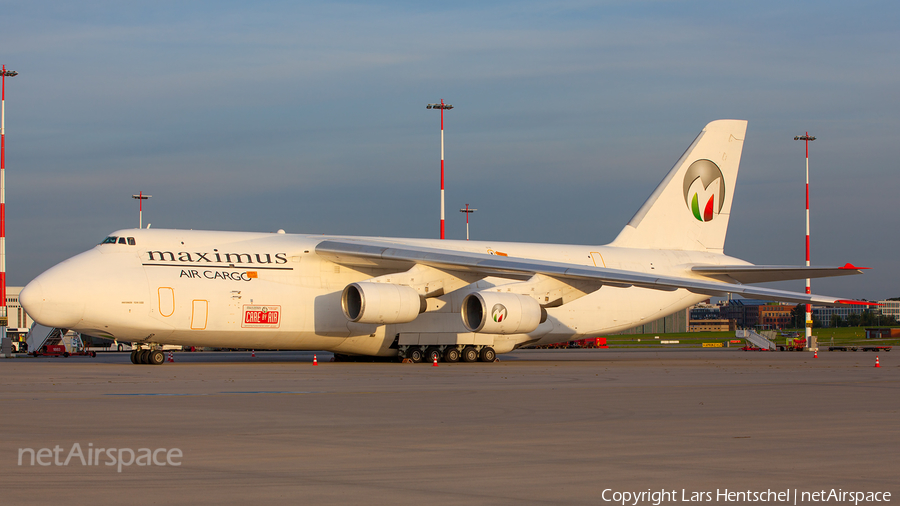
272, 291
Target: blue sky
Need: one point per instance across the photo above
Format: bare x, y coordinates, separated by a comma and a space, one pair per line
311, 117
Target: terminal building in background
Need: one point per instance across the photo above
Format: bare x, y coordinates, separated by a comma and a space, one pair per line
758, 314
890, 308
767, 315
18, 321
825, 315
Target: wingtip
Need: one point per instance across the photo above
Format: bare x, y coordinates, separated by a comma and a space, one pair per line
856, 302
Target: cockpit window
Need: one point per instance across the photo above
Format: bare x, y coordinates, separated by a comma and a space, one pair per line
119, 240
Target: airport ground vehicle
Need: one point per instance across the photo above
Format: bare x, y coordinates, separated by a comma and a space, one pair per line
59, 350
793, 344
859, 348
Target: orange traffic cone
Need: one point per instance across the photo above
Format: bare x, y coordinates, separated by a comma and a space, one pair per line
315, 361
252, 353
876, 361
435, 362
816, 355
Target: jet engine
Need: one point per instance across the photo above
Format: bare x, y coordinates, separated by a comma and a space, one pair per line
381, 303
501, 313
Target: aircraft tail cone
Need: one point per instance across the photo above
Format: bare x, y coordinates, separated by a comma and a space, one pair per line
252, 353
876, 361
315, 361
171, 356
435, 362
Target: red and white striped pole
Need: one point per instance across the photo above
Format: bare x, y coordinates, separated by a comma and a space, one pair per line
141, 198
441, 106
806, 138
3, 315
468, 212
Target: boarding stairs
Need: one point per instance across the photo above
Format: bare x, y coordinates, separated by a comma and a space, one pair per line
39, 335
757, 340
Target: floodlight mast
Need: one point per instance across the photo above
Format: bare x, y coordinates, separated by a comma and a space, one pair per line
442, 106
141, 198
468, 211
807, 138
4, 321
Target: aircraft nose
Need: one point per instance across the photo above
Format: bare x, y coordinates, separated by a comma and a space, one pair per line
53, 300
32, 298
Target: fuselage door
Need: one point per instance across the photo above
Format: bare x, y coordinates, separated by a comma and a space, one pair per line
166, 301
199, 314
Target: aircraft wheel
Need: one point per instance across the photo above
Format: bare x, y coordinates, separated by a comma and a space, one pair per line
415, 354
157, 357
144, 356
451, 354
432, 353
134, 357
488, 354
470, 354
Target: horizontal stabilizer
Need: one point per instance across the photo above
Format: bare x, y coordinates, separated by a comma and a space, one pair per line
766, 273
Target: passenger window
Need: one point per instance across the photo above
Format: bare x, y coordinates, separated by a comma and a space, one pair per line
121, 240
131, 241
109, 240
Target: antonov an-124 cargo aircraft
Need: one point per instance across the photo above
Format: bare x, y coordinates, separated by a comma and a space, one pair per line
419, 299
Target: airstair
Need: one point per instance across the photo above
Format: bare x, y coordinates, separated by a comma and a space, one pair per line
757, 340
39, 335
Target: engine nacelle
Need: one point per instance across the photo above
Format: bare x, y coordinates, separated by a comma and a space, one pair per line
501, 313
381, 303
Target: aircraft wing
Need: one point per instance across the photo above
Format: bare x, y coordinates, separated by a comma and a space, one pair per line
376, 253
766, 273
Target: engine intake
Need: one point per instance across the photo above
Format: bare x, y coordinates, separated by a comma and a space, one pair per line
501, 313
381, 303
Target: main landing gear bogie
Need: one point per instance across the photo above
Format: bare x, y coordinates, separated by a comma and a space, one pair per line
433, 354
487, 354
152, 357
449, 354
415, 354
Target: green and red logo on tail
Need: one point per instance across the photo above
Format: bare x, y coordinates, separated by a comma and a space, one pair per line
704, 190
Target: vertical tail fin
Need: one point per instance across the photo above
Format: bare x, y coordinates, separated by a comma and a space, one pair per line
689, 210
